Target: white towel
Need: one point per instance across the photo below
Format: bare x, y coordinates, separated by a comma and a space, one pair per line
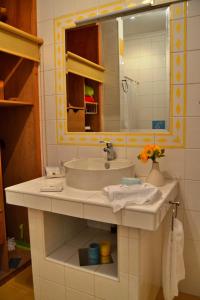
122, 195
173, 262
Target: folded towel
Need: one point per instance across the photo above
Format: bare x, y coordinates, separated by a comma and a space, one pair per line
173, 263
122, 195
89, 99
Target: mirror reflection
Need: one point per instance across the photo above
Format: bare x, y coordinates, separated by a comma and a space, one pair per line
118, 74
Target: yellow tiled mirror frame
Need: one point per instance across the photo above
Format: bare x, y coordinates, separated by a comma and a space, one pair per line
175, 137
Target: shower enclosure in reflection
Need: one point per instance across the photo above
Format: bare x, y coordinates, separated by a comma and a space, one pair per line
128, 103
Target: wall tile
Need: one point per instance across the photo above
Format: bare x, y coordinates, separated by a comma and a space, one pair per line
48, 57
52, 155
123, 252
36, 228
74, 209
193, 26
50, 107
192, 166
133, 287
102, 214
193, 8
51, 271
51, 291
80, 280
192, 224
111, 289
123, 231
45, 11
193, 132
85, 152
51, 132
66, 153
192, 265
193, 100
193, 66
173, 163
62, 8
49, 82
76, 295
45, 31
191, 196
134, 257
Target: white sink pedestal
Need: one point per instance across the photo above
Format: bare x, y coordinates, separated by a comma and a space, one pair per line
58, 227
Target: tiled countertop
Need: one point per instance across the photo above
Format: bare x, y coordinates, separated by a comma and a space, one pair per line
92, 205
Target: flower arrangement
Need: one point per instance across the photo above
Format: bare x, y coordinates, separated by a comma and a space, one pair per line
151, 152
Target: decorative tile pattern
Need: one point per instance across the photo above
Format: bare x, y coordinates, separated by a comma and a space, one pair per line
175, 138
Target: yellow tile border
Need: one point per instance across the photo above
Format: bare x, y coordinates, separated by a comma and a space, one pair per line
174, 138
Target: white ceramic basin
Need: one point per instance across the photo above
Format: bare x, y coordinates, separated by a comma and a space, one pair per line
91, 173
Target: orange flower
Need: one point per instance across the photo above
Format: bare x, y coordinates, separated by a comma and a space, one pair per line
151, 152
156, 148
144, 157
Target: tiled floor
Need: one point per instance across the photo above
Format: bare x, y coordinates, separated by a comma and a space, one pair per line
21, 288
18, 288
180, 297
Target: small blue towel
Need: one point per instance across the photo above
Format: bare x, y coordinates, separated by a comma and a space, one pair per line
130, 180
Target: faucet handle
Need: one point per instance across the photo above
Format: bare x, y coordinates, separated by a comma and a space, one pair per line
108, 143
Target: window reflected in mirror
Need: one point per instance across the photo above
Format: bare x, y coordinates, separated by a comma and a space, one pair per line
118, 72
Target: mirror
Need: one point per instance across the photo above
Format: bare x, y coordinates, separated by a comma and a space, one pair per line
118, 74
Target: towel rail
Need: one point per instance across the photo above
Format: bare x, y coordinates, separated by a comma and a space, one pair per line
175, 205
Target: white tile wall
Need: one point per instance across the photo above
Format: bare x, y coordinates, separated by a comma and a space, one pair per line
145, 61
81, 281
180, 163
51, 291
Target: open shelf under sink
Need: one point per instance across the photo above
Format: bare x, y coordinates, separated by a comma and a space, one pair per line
67, 253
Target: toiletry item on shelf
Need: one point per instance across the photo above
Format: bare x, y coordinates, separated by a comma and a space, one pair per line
93, 254
139, 194
51, 187
105, 259
130, 180
88, 128
105, 248
89, 91
11, 244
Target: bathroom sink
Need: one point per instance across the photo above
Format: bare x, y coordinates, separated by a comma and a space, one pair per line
96, 173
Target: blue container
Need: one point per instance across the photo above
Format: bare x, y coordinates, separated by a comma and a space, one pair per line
93, 254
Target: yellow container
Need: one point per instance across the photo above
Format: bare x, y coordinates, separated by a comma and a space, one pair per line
105, 248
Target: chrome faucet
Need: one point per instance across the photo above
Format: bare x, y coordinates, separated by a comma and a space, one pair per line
111, 154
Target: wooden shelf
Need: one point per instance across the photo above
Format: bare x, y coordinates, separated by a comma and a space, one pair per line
75, 107
17, 42
8, 103
93, 103
83, 67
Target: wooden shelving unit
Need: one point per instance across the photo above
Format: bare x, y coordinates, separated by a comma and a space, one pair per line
83, 68
17, 42
20, 157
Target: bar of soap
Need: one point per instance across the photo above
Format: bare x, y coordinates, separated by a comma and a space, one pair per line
130, 180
